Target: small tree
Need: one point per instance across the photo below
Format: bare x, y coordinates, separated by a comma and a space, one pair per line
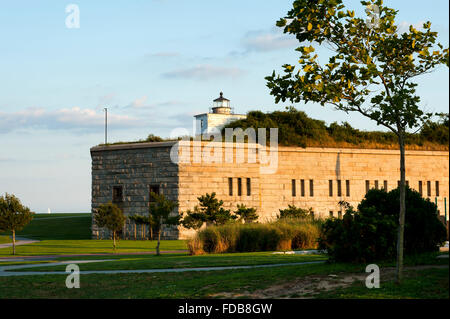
13, 216
144, 220
295, 212
372, 70
246, 214
111, 217
160, 210
210, 211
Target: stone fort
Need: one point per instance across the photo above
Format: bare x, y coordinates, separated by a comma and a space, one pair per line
311, 177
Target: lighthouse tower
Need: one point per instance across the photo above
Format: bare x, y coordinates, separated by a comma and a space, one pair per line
220, 115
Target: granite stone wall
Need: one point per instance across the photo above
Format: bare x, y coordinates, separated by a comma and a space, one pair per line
134, 167
137, 166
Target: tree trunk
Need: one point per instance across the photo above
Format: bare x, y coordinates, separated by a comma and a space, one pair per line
135, 232
159, 240
114, 240
401, 219
14, 241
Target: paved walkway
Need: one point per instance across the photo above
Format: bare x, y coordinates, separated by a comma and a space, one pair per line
5, 271
20, 241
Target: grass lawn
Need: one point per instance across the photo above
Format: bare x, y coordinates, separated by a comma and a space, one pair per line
244, 283
184, 261
4, 239
418, 284
67, 247
160, 285
57, 226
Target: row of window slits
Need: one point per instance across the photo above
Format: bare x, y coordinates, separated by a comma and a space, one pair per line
239, 186
420, 186
303, 188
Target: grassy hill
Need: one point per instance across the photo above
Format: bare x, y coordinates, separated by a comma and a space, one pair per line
58, 226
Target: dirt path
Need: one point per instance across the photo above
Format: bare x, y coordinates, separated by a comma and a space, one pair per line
307, 287
20, 241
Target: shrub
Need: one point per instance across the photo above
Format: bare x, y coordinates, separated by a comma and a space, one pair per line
209, 211
283, 234
295, 212
246, 214
370, 233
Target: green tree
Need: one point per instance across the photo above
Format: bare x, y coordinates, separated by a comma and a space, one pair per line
144, 220
160, 210
209, 211
371, 70
13, 216
295, 212
111, 217
246, 214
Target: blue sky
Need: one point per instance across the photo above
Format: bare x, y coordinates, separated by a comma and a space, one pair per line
154, 64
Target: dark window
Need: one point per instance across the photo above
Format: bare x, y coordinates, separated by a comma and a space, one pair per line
294, 193
347, 185
153, 189
230, 186
331, 213
398, 183
330, 187
376, 184
407, 183
302, 187
429, 188
385, 186
437, 188
249, 187
367, 186
420, 188
117, 194
339, 188
312, 215
311, 187
239, 186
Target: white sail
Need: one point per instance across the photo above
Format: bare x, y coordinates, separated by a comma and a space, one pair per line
49, 212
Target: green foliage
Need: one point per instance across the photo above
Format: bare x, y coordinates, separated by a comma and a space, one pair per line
283, 234
371, 66
246, 214
111, 217
209, 211
295, 128
370, 233
154, 138
424, 232
13, 215
295, 212
144, 220
159, 212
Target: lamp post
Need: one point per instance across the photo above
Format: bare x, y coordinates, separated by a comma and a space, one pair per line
106, 125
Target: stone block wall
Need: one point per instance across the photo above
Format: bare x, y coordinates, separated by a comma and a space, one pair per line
137, 166
134, 167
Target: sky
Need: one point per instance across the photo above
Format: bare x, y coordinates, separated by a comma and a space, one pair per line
154, 64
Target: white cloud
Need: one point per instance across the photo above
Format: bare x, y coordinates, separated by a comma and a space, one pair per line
74, 118
205, 72
404, 26
271, 40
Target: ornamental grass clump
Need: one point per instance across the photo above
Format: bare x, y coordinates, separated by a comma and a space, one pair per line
284, 234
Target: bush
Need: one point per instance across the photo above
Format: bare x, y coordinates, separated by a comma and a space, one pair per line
283, 234
370, 233
295, 212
